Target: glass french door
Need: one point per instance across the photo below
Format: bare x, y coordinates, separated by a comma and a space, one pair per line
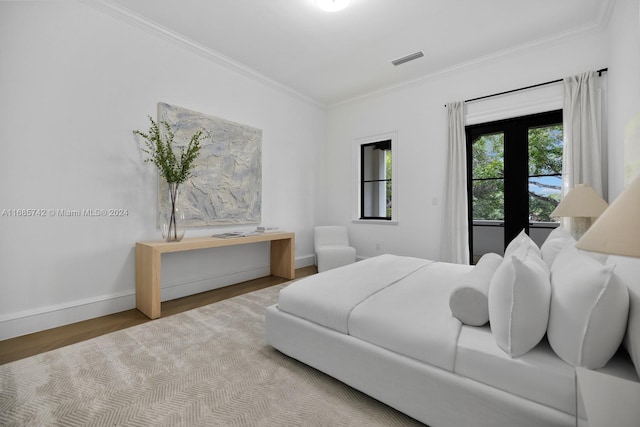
514, 179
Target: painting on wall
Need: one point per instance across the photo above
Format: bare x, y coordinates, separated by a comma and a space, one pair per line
226, 184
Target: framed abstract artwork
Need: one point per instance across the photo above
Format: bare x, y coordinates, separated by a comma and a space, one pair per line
226, 184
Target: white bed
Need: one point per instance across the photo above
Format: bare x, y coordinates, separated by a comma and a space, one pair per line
384, 326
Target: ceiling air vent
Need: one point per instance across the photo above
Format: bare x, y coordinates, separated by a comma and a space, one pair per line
407, 58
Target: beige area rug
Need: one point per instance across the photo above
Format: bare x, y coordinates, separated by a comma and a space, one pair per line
205, 367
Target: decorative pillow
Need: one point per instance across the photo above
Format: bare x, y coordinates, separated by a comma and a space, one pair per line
589, 309
469, 302
627, 271
519, 298
559, 233
522, 239
554, 243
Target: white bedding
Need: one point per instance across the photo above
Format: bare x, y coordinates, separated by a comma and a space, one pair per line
412, 317
398, 303
390, 316
328, 298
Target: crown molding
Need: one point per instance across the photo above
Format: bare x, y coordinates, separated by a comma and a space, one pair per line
138, 21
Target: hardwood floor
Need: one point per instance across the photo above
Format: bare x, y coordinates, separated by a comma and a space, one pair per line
39, 342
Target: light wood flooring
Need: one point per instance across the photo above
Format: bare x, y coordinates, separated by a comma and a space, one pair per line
40, 342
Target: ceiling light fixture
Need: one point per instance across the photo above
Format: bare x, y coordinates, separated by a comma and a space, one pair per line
332, 5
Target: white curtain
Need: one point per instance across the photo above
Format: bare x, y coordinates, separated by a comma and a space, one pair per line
455, 230
582, 157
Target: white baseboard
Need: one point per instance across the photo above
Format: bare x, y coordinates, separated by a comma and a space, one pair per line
171, 291
52, 316
305, 261
35, 320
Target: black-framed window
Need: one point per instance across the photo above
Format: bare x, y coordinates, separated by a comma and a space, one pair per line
514, 170
376, 183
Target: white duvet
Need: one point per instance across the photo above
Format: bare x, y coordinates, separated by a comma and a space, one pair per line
399, 303
328, 298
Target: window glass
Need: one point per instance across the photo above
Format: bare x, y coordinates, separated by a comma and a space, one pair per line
376, 180
488, 177
545, 171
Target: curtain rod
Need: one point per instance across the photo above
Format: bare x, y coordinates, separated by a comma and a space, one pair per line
600, 71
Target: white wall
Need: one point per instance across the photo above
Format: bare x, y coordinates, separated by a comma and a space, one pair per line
624, 84
74, 83
417, 113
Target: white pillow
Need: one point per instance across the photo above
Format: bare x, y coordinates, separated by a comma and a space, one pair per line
468, 302
589, 309
559, 233
554, 243
519, 298
522, 239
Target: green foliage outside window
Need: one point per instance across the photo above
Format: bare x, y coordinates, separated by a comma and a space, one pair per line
488, 177
388, 175
545, 159
545, 169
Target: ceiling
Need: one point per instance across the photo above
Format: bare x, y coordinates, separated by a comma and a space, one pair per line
333, 57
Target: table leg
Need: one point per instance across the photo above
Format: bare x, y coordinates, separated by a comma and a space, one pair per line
282, 258
148, 281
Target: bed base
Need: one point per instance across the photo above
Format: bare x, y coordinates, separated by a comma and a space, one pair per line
430, 395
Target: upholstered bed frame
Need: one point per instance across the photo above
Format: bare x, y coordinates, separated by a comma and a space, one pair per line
480, 386
429, 394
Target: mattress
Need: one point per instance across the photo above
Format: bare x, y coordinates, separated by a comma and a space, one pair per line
539, 375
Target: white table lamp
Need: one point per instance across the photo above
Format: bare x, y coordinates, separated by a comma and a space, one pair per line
617, 230
582, 204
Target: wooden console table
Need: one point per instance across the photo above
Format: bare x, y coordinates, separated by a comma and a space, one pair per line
149, 257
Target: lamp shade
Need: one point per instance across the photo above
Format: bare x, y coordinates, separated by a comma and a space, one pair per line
580, 201
617, 231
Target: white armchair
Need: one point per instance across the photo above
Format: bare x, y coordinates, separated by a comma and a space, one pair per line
331, 244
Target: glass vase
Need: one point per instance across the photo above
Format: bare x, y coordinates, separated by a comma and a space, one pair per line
172, 217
